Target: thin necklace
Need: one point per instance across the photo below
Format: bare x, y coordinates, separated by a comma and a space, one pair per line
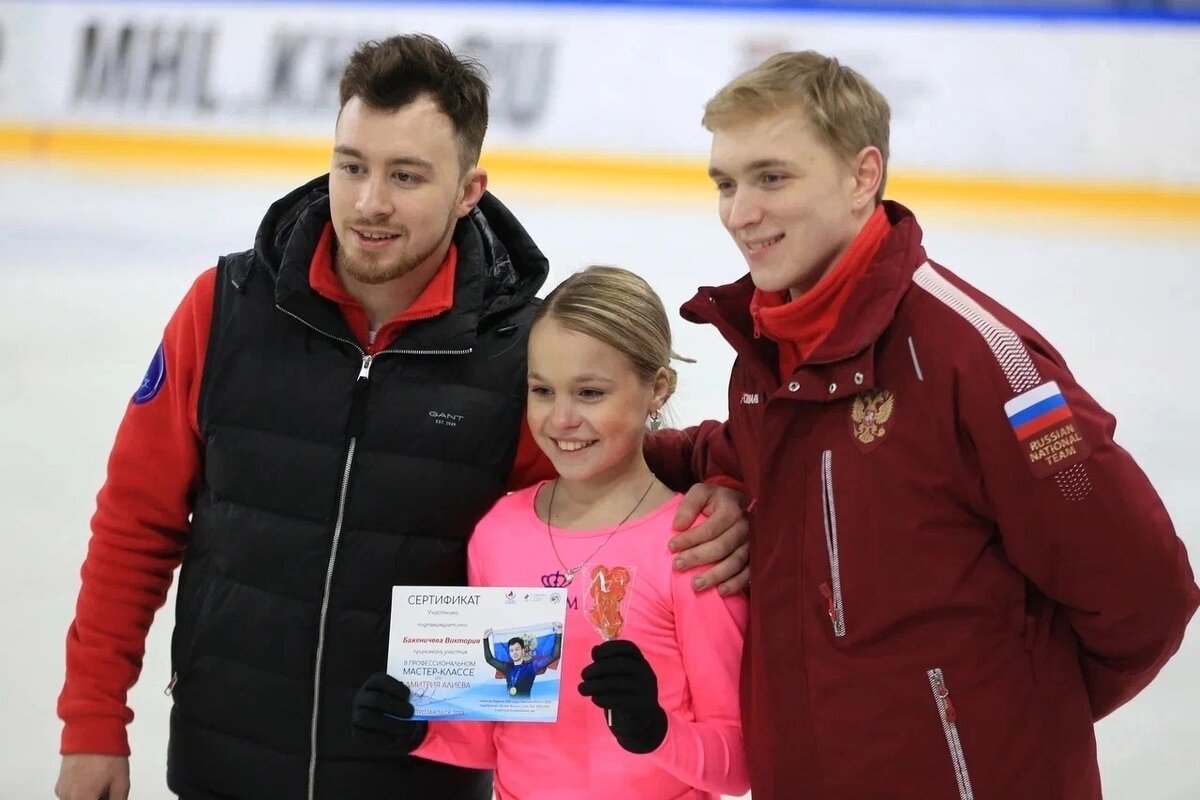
570, 572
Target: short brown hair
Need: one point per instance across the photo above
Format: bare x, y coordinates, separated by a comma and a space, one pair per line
618, 308
390, 74
847, 112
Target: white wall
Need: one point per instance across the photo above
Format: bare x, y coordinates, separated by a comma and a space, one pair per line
974, 96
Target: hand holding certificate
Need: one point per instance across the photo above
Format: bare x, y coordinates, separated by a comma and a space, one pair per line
478, 653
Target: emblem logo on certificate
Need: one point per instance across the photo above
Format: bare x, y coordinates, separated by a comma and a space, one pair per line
478, 653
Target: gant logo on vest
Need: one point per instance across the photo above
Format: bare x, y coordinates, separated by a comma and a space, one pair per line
446, 418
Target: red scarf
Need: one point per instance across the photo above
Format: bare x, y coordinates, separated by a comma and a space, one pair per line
799, 326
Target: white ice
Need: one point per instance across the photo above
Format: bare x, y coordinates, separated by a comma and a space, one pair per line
93, 263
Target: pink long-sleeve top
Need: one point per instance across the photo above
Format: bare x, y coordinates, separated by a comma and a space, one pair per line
693, 642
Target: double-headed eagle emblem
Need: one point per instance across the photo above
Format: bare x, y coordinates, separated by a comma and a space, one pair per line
870, 414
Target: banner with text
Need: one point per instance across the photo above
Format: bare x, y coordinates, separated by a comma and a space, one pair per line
1021, 97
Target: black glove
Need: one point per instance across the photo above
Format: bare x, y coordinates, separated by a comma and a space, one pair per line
621, 680
383, 715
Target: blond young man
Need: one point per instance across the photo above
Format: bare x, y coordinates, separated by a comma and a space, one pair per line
956, 570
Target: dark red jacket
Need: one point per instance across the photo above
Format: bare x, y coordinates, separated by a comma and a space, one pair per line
944, 599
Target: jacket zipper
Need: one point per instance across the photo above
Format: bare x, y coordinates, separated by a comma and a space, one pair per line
832, 593
941, 696
356, 423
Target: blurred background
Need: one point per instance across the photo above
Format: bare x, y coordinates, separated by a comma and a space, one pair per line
1050, 150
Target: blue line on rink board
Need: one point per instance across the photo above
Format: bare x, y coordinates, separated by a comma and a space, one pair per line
1097, 13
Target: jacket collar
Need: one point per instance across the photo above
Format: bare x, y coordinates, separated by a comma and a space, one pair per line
499, 267
843, 363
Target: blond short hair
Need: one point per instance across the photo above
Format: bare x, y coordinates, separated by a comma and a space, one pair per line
617, 307
847, 112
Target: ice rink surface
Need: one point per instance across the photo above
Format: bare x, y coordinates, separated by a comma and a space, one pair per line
92, 265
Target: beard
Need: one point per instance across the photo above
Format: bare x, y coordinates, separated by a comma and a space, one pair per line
374, 272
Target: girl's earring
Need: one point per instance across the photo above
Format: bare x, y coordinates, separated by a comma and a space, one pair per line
655, 420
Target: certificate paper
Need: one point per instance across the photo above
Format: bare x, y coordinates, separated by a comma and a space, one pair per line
438, 648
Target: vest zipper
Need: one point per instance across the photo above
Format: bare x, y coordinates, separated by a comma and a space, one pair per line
465, 352
832, 594
355, 425
357, 418
355, 345
326, 334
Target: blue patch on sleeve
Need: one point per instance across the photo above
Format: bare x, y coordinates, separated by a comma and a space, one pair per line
156, 376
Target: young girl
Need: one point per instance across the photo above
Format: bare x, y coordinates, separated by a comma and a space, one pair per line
598, 369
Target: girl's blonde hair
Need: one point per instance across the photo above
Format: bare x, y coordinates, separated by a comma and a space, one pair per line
617, 307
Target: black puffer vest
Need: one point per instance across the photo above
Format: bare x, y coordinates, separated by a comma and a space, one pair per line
329, 477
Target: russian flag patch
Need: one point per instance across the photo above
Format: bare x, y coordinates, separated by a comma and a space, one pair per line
1046, 429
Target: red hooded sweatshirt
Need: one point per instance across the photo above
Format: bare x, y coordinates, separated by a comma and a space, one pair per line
119, 595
